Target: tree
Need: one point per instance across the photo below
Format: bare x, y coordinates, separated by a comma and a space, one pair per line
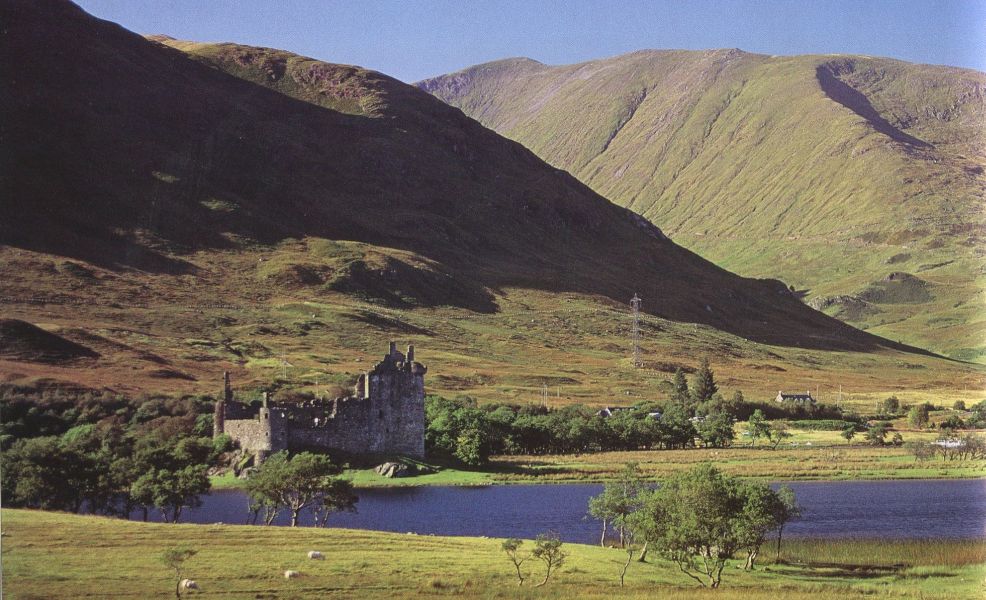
716, 430
918, 416
512, 547
174, 558
338, 495
959, 405
789, 510
679, 387
704, 384
778, 434
629, 550
296, 483
677, 431
889, 407
758, 427
762, 509
849, 432
172, 491
618, 500
547, 549
693, 519
876, 434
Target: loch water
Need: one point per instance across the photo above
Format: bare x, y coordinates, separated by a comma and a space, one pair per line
921, 509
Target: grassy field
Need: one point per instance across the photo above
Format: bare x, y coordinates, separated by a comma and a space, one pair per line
50, 555
806, 456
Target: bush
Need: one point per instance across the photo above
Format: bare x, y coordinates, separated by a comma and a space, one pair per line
823, 424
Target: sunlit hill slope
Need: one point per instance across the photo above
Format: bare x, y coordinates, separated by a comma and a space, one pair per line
857, 180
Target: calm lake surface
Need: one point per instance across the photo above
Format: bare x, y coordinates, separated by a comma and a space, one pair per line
862, 509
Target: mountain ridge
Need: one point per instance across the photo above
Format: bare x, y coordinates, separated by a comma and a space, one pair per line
811, 169
187, 211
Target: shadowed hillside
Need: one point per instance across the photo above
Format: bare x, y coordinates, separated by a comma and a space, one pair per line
184, 209
141, 154
817, 170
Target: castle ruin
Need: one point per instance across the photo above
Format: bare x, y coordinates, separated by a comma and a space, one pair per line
385, 415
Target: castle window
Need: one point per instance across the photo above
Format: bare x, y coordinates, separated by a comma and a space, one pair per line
381, 414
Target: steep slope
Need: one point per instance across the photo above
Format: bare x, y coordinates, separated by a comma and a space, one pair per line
124, 143
818, 170
186, 208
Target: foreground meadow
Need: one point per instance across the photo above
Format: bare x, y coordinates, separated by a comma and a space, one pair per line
52, 555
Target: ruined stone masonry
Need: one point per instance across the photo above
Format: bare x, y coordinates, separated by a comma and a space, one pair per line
385, 415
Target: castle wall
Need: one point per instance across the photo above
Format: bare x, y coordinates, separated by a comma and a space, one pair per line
261, 435
385, 416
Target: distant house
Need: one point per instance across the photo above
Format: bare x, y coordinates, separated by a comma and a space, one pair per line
795, 398
609, 411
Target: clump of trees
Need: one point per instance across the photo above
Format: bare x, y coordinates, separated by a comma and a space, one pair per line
108, 469
697, 519
460, 429
950, 445
295, 483
547, 549
619, 500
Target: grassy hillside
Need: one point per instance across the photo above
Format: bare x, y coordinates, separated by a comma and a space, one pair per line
827, 172
177, 219
50, 555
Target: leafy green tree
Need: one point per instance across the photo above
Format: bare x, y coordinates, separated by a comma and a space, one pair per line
762, 509
295, 483
677, 431
952, 422
547, 549
716, 430
849, 432
174, 559
758, 427
918, 416
171, 491
693, 519
778, 433
876, 434
889, 406
618, 500
959, 405
338, 495
789, 510
704, 384
679, 387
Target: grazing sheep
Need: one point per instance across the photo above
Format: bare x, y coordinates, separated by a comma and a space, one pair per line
291, 574
316, 555
188, 584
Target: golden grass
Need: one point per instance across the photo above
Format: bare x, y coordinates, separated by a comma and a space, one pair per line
49, 555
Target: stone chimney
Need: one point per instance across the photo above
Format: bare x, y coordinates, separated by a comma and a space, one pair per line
410, 353
393, 349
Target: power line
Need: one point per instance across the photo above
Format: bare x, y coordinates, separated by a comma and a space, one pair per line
635, 332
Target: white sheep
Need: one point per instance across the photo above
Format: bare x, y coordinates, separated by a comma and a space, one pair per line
291, 574
188, 584
316, 555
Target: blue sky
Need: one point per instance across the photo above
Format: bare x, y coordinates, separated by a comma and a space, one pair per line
412, 40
